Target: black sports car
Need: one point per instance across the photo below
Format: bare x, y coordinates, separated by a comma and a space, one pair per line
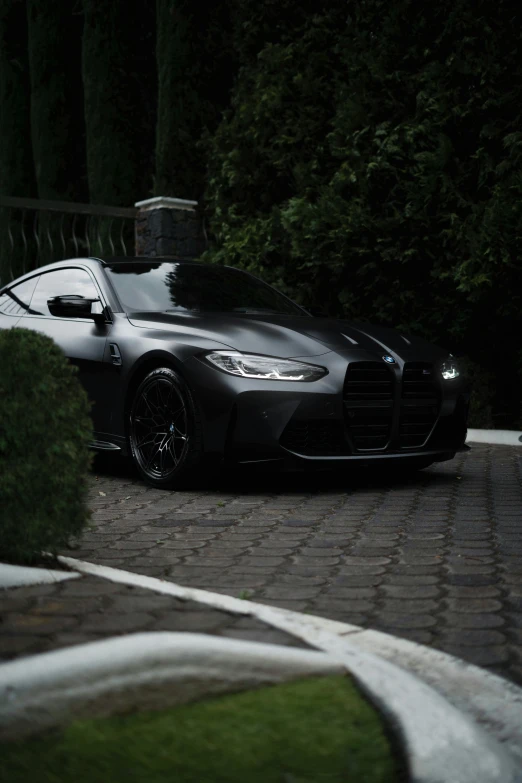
186, 362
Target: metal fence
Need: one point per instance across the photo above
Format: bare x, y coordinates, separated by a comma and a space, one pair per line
34, 232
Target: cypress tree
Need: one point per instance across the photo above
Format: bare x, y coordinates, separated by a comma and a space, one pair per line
57, 122
195, 62
16, 157
120, 99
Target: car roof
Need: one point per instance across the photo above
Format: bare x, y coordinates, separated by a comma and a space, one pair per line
147, 260
93, 262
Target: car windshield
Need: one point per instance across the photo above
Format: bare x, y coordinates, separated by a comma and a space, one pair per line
186, 287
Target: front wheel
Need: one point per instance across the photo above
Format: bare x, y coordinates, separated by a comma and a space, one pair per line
164, 429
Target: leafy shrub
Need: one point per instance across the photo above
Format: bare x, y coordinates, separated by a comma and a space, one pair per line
44, 431
483, 385
370, 163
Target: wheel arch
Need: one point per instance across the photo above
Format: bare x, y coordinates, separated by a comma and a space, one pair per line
148, 362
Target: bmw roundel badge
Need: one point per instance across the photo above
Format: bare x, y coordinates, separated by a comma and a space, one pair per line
389, 359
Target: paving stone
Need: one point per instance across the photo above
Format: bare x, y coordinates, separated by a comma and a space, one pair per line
12, 645
413, 635
190, 622
115, 622
318, 552
326, 604
473, 638
401, 579
510, 579
490, 655
295, 606
479, 605
515, 619
370, 560
214, 561
310, 561
472, 579
345, 570
515, 635
350, 593
409, 606
35, 624
408, 569
171, 523
13, 603
396, 620
69, 639
293, 593
298, 579
297, 523
360, 580
87, 586
475, 620
339, 550
152, 602
67, 605
472, 570
409, 592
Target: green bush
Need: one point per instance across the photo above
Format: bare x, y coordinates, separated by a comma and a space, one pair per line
483, 386
370, 163
44, 431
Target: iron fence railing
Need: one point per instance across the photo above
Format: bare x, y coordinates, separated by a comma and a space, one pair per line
34, 232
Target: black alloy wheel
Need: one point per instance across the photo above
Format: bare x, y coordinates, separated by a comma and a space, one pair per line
163, 433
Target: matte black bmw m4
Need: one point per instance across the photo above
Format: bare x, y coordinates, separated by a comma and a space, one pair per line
186, 362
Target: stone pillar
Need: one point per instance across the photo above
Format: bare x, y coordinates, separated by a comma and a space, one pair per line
169, 227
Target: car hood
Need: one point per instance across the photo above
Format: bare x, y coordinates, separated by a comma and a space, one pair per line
286, 336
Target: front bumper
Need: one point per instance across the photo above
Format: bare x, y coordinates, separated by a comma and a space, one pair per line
363, 411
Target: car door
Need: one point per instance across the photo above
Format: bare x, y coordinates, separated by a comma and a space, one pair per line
81, 339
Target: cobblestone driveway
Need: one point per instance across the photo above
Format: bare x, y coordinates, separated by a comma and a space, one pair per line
436, 558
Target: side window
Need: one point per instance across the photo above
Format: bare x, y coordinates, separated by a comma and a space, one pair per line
17, 299
61, 282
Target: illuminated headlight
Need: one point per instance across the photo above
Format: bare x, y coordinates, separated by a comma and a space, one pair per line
249, 365
450, 369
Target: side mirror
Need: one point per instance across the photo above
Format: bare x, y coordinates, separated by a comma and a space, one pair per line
97, 312
75, 306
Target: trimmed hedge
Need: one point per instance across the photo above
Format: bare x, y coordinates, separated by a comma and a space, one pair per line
44, 430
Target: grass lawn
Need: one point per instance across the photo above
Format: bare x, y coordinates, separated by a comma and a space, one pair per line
311, 731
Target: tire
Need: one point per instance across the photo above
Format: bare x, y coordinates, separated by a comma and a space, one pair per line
164, 429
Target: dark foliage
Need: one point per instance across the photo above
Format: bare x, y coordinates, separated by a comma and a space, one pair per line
57, 121
196, 65
17, 177
119, 80
16, 159
371, 164
44, 430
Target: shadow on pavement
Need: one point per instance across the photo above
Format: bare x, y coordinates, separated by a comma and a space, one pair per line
243, 480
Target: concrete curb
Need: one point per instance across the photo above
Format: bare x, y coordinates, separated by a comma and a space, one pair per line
441, 735
495, 437
141, 671
24, 576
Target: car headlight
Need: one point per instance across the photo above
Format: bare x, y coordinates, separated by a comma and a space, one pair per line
450, 369
249, 365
